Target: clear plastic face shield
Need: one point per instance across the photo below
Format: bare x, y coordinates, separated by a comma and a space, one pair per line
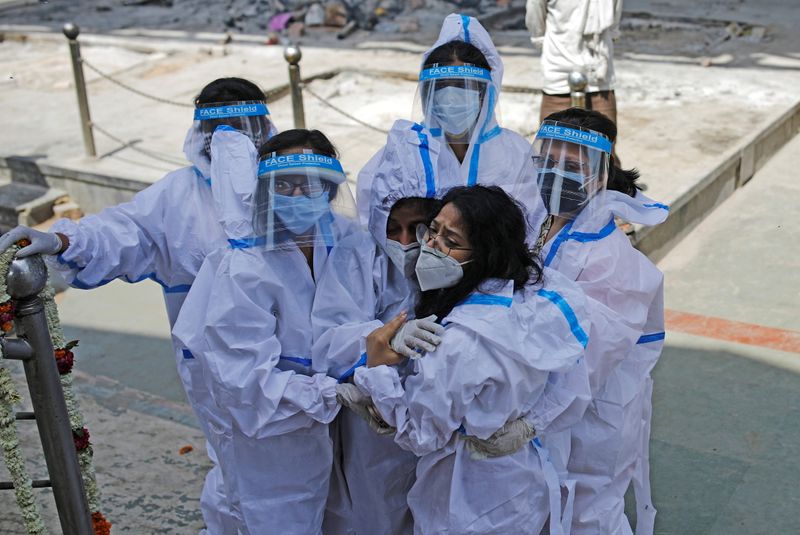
453, 100
250, 118
571, 166
297, 196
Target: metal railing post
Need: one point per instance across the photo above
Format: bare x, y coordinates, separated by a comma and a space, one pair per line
292, 55
26, 278
71, 31
577, 89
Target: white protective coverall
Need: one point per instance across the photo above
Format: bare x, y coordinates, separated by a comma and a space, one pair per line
494, 154
609, 447
496, 356
247, 321
162, 234
360, 291
575, 35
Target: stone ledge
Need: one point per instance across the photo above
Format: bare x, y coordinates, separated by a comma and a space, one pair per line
736, 169
92, 191
26, 204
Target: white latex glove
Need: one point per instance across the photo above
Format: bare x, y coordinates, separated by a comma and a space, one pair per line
507, 440
350, 397
41, 242
417, 334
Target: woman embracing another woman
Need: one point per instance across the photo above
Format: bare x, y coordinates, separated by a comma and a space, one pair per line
508, 325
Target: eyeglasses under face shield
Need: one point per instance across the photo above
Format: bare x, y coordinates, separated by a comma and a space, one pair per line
452, 100
248, 117
296, 197
571, 166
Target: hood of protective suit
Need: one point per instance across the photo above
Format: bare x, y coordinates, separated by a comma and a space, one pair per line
640, 210
463, 28
410, 167
193, 149
194, 144
234, 172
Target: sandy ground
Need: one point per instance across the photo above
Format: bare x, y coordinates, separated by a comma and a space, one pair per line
676, 116
688, 89
146, 485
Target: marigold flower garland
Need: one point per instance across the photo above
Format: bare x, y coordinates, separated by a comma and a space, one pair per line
9, 396
9, 437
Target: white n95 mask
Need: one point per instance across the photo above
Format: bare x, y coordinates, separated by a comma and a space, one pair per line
456, 109
437, 270
404, 256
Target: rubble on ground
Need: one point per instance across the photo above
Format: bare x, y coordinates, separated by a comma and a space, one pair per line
292, 18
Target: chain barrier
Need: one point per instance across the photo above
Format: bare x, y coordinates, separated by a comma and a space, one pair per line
166, 158
341, 111
133, 89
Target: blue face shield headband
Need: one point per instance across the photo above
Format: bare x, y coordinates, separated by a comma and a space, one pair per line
249, 118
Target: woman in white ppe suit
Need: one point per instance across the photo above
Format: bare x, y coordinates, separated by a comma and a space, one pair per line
455, 107
163, 234
625, 299
370, 279
505, 333
247, 321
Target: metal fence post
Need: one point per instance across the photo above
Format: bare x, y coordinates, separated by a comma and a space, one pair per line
577, 89
26, 278
292, 55
71, 31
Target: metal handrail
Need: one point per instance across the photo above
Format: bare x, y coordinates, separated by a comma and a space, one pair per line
26, 279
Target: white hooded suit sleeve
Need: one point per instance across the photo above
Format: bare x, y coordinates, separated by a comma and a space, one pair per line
126, 240
456, 378
345, 307
619, 300
492, 367
364, 186
228, 325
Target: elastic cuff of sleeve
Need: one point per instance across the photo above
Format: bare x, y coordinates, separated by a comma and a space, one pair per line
349, 373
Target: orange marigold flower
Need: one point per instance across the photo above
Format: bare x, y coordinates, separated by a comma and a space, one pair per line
100, 525
7, 327
24, 242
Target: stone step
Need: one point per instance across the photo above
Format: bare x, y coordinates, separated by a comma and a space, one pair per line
26, 204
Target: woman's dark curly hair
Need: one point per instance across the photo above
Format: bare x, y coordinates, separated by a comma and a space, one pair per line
495, 226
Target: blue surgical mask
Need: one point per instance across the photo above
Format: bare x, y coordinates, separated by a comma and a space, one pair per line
456, 109
299, 213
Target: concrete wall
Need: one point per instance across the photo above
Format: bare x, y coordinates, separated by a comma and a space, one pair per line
736, 169
91, 191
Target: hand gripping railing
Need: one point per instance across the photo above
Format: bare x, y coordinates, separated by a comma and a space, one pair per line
26, 279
